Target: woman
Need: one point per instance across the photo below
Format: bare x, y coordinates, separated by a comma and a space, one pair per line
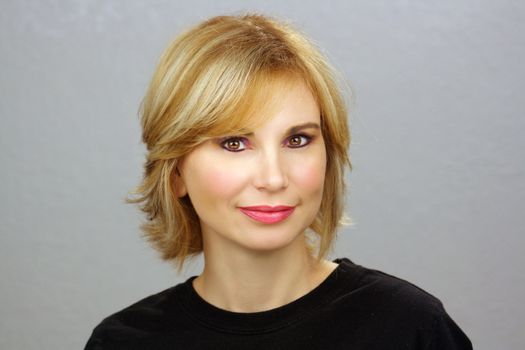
247, 143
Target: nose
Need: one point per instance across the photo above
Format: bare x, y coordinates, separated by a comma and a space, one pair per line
270, 172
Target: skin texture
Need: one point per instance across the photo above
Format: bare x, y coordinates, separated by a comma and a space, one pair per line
249, 265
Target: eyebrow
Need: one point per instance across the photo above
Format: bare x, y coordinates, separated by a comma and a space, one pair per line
300, 127
294, 129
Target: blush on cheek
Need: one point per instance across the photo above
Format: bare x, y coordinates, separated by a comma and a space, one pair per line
221, 181
310, 177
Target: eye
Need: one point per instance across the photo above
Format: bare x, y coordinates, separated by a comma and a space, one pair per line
234, 144
298, 141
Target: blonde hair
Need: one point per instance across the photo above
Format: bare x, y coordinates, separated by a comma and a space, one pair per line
211, 81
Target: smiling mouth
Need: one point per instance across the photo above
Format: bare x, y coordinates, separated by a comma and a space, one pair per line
267, 214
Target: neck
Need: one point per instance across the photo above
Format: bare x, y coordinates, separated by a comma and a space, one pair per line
243, 281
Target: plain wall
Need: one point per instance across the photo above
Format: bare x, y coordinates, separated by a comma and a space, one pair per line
437, 191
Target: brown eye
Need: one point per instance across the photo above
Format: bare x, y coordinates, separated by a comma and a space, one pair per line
295, 141
233, 144
298, 141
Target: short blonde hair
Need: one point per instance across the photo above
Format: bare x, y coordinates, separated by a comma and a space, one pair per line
212, 80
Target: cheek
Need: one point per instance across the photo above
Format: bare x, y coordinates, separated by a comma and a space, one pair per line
309, 175
223, 183
212, 180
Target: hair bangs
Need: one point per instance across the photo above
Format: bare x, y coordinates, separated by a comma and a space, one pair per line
240, 112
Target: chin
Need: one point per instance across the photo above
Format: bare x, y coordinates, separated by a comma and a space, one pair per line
273, 242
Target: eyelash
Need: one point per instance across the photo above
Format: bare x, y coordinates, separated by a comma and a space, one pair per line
223, 143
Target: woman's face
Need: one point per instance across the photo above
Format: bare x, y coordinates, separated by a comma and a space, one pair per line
260, 191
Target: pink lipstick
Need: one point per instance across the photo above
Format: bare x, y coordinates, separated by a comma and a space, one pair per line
267, 214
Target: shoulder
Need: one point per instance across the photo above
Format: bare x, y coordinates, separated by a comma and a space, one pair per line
397, 308
135, 322
387, 290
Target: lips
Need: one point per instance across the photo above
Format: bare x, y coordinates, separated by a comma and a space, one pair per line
267, 214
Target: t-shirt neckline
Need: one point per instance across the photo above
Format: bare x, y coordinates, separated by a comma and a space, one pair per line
222, 320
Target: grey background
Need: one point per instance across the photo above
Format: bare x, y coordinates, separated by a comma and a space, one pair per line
437, 189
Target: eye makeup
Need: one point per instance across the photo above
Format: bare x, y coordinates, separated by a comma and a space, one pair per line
240, 143
295, 138
234, 143
304, 140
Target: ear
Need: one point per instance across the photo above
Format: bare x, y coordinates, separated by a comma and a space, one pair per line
178, 183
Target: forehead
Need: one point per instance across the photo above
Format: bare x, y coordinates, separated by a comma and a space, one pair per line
293, 107
282, 102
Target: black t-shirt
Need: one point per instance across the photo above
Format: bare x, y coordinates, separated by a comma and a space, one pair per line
353, 308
